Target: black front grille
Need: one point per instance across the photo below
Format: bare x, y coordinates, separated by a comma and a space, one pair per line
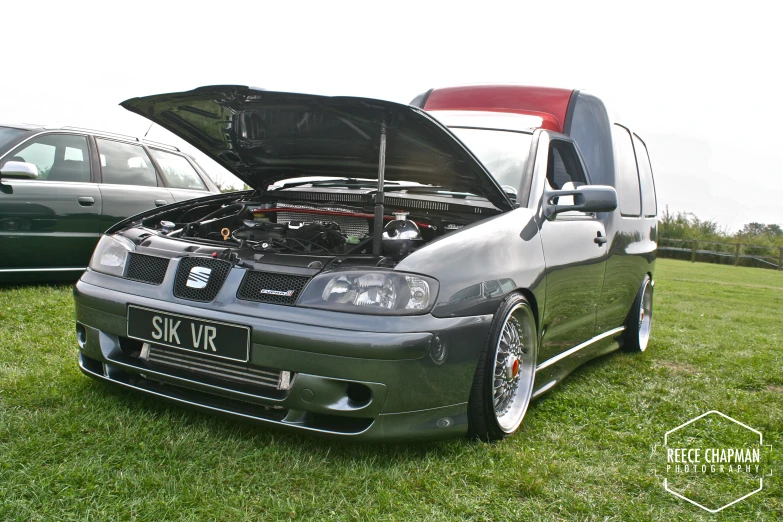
214, 280
269, 287
146, 269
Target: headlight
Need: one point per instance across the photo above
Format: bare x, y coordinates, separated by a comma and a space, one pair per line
110, 255
371, 292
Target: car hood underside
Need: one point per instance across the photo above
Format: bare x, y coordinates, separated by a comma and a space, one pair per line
264, 136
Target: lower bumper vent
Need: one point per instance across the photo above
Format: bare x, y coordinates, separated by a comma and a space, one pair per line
216, 369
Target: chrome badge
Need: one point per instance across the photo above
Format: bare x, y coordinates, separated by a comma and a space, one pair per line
284, 293
198, 277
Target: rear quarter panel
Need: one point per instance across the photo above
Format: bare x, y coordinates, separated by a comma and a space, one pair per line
632, 252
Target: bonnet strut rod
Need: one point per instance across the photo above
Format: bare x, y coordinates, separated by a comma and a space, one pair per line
378, 228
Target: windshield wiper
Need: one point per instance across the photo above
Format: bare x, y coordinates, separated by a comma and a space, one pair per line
440, 191
341, 182
389, 186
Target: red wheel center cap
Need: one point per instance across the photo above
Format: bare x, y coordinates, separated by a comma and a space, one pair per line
512, 367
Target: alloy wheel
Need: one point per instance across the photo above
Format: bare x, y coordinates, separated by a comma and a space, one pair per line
514, 368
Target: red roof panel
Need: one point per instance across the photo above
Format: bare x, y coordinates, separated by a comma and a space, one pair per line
548, 103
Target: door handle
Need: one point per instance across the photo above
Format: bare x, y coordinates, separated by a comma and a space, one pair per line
161, 202
86, 201
600, 239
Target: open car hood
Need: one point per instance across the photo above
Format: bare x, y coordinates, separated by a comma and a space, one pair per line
264, 136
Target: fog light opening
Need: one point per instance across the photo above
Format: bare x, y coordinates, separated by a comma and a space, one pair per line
131, 347
438, 351
359, 394
81, 335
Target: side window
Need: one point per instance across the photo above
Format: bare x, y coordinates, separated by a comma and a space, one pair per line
564, 167
649, 201
564, 171
627, 183
125, 164
177, 171
58, 157
589, 128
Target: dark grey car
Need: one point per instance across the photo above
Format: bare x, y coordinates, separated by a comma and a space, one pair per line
395, 272
61, 188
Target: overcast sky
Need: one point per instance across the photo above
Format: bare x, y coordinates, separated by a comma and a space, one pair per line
698, 81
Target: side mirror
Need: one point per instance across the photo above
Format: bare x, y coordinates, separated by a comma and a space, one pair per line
19, 169
587, 198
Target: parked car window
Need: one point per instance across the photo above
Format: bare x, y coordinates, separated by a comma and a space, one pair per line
629, 199
177, 171
503, 153
649, 202
125, 164
58, 157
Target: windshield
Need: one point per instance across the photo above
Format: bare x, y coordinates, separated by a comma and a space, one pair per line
503, 153
8, 134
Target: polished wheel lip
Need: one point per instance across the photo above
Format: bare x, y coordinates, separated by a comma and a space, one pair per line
511, 392
645, 315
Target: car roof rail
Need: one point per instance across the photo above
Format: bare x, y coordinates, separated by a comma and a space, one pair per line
104, 133
159, 144
23, 125
118, 135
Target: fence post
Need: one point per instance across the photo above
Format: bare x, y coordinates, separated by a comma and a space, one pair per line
736, 255
780, 259
693, 251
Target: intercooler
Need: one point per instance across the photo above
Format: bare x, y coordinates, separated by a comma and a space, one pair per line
213, 368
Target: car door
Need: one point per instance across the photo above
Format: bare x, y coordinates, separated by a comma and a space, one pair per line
574, 245
129, 182
179, 175
52, 220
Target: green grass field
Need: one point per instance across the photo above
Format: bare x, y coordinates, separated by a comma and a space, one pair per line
75, 449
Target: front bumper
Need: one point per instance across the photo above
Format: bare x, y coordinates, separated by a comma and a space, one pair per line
417, 371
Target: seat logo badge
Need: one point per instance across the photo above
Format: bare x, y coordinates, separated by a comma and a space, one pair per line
198, 277
284, 293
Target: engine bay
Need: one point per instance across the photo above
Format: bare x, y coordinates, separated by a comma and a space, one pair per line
250, 229
251, 226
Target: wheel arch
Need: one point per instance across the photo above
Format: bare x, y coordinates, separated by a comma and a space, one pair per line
484, 420
531, 298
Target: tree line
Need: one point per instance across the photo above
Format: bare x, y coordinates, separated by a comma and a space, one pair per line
686, 225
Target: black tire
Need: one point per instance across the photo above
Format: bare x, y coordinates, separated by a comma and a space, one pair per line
639, 320
483, 418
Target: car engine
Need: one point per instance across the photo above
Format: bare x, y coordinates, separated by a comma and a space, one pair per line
295, 229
